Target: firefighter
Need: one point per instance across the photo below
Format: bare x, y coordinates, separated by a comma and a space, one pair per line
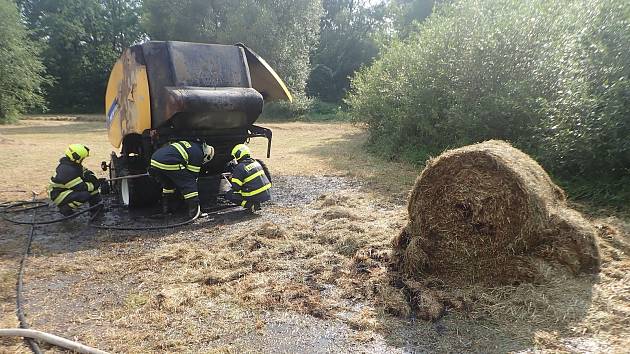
73, 184
176, 166
250, 184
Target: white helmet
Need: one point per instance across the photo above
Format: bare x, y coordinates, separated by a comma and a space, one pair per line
208, 152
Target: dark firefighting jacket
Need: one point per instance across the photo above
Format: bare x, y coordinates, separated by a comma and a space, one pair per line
179, 155
71, 177
250, 181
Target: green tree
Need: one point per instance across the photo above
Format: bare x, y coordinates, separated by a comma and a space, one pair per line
405, 15
346, 43
82, 39
21, 71
282, 32
181, 20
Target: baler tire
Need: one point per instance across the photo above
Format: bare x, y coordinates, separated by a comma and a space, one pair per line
139, 192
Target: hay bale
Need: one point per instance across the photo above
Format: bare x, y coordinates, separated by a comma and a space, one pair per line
481, 212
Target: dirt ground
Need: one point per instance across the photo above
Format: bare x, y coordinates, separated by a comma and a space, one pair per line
307, 274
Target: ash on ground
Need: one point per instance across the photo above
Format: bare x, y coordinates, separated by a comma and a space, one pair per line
290, 191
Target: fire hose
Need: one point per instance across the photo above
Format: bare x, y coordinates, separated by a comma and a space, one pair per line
10, 208
30, 335
49, 338
19, 285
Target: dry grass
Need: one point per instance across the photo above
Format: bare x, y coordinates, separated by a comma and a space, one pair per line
336, 149
32, 149
8, 276
225, 286
83, 117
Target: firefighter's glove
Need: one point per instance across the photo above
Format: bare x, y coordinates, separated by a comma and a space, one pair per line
90, 177
104, 185
230, 166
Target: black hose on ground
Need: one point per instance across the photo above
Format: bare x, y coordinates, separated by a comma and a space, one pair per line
7, 209
141, 228
158, 227
20, 284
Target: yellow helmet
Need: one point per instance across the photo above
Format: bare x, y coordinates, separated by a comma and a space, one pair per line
77, 152
240, 151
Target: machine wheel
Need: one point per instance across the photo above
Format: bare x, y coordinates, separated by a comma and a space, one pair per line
137, 192
264, 167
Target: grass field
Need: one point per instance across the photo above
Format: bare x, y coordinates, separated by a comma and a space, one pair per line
308, 274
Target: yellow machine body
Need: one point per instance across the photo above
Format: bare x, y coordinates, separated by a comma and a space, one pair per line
127, 99
264, 78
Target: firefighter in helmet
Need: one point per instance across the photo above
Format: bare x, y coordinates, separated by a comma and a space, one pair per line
250, 183
176, 166
73, 184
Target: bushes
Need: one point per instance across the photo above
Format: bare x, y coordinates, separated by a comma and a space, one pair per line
462, 78
549, 76
282, 110
304, 109
586, 128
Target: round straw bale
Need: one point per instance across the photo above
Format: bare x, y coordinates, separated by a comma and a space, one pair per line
477, 213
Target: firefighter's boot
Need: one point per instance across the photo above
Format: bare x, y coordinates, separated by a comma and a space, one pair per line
165, 205
170, 204
193, 208
66, 210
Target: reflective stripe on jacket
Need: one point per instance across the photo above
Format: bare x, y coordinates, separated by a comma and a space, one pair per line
250, 181
178, 155
71, 176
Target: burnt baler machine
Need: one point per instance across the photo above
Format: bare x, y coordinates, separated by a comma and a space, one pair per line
160, 92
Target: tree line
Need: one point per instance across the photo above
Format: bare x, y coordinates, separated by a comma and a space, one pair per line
57, 54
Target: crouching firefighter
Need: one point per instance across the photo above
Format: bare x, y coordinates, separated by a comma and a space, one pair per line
250, 183
176, 166
73, 184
